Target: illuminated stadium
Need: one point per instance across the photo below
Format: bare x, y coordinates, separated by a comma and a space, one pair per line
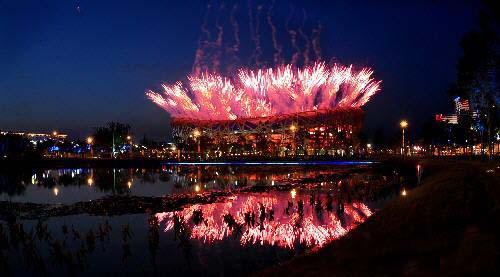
284, 111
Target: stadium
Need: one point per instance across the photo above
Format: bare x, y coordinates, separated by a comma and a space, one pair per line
320, 132
269, 112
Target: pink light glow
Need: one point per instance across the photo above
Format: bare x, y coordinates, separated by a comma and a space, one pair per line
284, 231
267, 92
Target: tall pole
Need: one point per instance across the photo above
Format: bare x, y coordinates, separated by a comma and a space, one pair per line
489, 133
403, 124
113, 148
199, 147
90, 140
403, 143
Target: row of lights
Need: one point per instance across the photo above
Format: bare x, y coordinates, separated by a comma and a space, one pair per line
90, 140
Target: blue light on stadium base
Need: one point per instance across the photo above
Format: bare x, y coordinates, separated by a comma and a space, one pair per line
274, 163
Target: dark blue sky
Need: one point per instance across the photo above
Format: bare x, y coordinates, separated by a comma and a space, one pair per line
70, 71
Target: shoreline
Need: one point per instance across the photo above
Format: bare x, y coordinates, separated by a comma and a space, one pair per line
20, 163
449, 225
151, 162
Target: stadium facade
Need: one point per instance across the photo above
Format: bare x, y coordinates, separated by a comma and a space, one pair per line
320, 132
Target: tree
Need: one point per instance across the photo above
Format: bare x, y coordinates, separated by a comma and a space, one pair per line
478, 74
16, 146
149, 143
379, 139
112, 133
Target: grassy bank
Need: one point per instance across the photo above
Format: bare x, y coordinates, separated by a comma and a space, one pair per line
450, 225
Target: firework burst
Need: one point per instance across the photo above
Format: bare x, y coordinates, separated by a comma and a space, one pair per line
267, 92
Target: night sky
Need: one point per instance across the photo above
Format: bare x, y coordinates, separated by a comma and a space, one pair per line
73, 65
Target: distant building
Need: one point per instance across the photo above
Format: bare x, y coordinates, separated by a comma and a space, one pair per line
20, 144
36, 136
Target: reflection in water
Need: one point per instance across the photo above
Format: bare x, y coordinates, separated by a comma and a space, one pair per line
73, 185
273, 219
270, 214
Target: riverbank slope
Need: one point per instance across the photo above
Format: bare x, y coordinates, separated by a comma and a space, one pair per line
448, 226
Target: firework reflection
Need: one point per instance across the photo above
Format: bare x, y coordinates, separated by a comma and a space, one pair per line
273, 219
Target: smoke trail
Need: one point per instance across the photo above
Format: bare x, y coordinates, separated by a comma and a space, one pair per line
218, 42
316, 41
203, 43
232, 51
258, 49
293, 37
277, 48
252, 30
236, 29
305, 38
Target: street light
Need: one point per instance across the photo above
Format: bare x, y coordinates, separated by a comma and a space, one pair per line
90, 140
403, 124
196, 134
129, 141
54, 133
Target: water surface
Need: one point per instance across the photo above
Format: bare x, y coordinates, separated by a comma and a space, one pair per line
227, 219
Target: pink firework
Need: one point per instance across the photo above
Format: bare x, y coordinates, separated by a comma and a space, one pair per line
267, 92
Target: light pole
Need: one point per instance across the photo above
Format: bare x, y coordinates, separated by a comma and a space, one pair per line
90, 140
129, 140
403, 124
196, 135
293, 128
113, 147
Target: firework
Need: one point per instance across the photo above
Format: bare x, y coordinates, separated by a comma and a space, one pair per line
267, 92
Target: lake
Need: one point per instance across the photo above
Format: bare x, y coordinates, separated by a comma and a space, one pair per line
209, 219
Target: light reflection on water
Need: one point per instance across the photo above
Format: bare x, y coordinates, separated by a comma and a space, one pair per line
73, 185
292, 209
270, 218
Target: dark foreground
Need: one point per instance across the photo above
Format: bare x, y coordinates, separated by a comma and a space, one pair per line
448, 226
